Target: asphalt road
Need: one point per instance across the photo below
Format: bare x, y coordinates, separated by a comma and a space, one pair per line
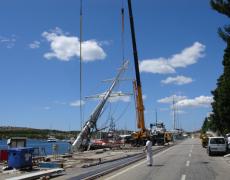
185, 161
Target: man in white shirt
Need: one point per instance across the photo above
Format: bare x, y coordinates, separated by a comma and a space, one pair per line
149, 152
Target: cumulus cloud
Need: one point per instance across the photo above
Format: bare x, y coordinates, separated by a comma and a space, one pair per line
183, 101
160, 66
178, 80
171, 98
77, 103
186, 57
34, 45
64, 47
201, 101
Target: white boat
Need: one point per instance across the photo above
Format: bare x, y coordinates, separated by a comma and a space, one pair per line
51, 139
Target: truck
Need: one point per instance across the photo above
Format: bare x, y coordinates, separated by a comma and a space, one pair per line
159, 135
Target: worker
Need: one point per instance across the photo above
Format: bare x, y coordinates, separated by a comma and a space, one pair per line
149, 153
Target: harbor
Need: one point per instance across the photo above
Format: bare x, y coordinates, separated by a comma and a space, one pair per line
82, 164
114, 90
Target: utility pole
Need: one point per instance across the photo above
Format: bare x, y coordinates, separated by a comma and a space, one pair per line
156, 115
174, 114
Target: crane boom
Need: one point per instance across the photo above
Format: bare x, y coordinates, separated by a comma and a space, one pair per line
137, 86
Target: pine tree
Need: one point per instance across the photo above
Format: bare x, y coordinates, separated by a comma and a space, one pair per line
220, 119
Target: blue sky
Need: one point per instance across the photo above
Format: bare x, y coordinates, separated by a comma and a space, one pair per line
179, 51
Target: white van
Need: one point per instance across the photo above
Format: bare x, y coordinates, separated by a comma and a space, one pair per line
216, 145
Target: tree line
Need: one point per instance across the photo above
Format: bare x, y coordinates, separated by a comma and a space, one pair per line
7, 132
219, 119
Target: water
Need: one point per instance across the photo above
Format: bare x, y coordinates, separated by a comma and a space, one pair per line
63, 147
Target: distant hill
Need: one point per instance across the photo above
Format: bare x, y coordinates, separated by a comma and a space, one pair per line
32, 133
10, 131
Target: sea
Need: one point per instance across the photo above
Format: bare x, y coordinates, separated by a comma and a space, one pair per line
44, 147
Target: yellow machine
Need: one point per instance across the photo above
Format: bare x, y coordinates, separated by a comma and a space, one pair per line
140, 136
159, 135
168, 136
204, 139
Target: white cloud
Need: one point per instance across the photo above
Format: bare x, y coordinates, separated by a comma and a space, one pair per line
77, 103
162, 65
65, 47
188, 56
105, 43
34, 45
178, 80
8, 42
170, 99
184, 102
201, 101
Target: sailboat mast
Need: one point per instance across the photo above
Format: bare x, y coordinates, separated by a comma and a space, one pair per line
83, 137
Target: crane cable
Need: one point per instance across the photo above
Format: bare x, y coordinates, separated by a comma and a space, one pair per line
81, 115
122, 32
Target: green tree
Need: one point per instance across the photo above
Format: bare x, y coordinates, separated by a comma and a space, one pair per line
205, 126
220, 119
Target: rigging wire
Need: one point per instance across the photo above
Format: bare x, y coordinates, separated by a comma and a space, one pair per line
81, 18
111, 113
123, 112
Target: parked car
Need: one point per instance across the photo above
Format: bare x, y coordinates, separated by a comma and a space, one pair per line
228, 141
216, 145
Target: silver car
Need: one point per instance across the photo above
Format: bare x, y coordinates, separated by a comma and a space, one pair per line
216, 145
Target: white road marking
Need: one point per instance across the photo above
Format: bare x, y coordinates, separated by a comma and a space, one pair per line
183, 177
191, 149
190, 155
142, 162
187, 163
